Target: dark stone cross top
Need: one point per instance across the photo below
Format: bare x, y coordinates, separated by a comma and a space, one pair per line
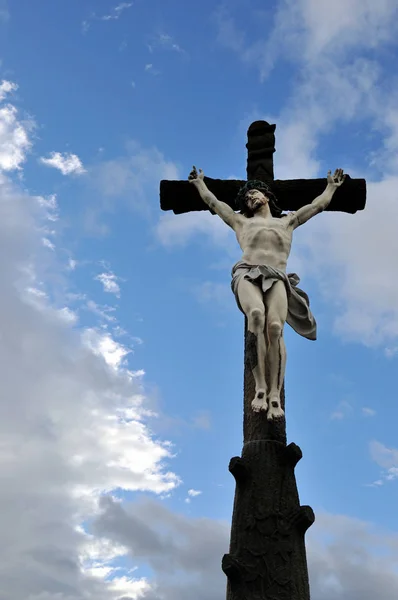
267, 557
181, 196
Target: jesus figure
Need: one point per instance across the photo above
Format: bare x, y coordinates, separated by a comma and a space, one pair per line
264, 292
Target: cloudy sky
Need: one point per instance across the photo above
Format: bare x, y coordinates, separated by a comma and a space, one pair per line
121, 345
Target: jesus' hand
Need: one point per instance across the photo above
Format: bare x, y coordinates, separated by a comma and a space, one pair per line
337, 178
194, 176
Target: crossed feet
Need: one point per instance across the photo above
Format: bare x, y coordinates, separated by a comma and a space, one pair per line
273, 406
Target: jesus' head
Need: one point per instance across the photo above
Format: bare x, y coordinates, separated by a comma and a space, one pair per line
255, 194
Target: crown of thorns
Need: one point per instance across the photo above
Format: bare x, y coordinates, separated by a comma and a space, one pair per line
256, 184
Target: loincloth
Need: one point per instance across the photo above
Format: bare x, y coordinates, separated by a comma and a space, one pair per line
299, 315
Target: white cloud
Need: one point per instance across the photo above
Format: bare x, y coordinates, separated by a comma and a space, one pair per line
383, 456
337, 80
50, 206
97, 560
368, 412
359, 25
311, 34
72, 264
14, 133
122, 6
6, 87
347, 254
376, 483
64, 436
114, 14
387, 458
133, 178
391, 351
214, 293
72, 422
350, 558
48, 243
192, 494
149, 68
85, 26
178, 230
139, 373
126, 587
68, 315
109, 282
176, 548
117, 11
67, 163
102, 344
202, 420
343, 410
165, 41
102, 311
296, 146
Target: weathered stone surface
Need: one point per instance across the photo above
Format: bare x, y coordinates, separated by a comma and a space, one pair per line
267, 557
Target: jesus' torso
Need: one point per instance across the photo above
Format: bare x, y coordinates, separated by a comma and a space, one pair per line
265, 241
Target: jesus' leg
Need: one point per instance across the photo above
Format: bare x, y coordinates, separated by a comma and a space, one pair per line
276, 302
251, 300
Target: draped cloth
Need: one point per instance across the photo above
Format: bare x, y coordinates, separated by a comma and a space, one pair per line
299, 315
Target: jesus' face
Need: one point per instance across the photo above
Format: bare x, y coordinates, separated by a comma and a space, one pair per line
255, 199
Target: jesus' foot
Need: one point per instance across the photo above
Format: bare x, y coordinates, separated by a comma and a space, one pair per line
260, 400
275, 410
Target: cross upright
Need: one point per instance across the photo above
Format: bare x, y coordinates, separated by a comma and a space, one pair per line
266, 558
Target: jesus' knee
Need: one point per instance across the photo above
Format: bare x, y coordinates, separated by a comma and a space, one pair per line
256, 320
275, 330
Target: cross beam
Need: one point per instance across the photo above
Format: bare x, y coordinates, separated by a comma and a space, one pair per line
267, 557
182, 197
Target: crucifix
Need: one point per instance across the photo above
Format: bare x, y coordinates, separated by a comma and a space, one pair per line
267, 558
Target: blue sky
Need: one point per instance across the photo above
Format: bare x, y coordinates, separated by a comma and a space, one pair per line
121, 344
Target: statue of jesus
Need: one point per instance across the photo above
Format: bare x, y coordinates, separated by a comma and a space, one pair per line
264, 292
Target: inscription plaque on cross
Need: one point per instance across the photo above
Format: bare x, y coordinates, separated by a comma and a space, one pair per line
267, 558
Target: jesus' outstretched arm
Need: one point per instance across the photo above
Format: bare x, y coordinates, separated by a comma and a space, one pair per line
220, 208
303, 214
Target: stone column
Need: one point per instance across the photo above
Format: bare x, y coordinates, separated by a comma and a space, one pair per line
267, 558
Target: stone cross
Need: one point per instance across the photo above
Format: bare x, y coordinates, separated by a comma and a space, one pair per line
267, 558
